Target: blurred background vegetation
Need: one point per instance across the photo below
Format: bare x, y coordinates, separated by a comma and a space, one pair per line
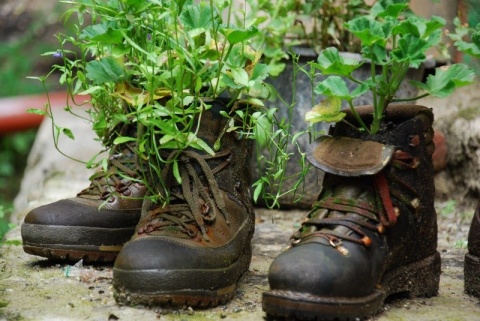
27, 30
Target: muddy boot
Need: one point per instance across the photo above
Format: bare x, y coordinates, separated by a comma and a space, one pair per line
193, 251
95, 224
472, 258
372, 232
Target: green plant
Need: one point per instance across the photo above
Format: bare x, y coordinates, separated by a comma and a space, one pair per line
466, 38
392, 43
314, 24
157, 64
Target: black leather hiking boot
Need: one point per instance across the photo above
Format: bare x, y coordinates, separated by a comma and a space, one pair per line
193, 251
95, 224
472, 258
372, 232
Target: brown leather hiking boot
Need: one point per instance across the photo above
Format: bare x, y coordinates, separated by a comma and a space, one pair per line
193, 251
95, 224
372, 232
472, 258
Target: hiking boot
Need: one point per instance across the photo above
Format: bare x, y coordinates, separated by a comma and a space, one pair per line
372, 232
472, 258
193, 250
95, 224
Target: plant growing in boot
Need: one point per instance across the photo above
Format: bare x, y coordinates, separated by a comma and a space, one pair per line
187, 86
372, 232
391, 44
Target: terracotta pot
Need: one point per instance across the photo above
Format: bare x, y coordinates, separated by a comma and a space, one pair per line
13, 110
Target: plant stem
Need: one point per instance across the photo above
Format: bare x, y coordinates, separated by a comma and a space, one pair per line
357, 116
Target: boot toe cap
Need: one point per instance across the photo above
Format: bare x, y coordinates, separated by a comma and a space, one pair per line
69, 212
323, 271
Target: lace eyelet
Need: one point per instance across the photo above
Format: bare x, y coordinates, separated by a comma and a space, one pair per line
104, 196
295, 240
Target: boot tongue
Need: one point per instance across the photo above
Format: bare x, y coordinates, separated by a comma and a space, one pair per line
349, 157
343, 203
347, 192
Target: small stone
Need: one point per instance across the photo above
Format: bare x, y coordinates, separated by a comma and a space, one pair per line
112, 317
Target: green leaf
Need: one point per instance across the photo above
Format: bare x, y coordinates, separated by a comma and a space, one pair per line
107, 69
328, 110
257, 191
203, 146
376, 53
419, 27
91, 90
198, 16
176, 172
411, 49
240, 76
470, 48
123, 139
237, 36
261, 131
105, 32
67, 132
330, 62
37, 111
434, 24
411, 26
260, 71
388, 8
368, 30
333, 86
434, 38
447, 79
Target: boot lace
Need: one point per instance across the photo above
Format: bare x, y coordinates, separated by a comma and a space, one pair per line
331, 211
193, 204
120, 175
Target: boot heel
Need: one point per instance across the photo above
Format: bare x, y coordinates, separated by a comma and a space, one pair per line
472, 274
419, 279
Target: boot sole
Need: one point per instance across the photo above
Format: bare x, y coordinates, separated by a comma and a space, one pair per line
193, 288
472, 275
419, 279
74, 243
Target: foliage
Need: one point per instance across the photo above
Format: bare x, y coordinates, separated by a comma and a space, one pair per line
157, 64
314, 24
275, 154
467, 38
393, 42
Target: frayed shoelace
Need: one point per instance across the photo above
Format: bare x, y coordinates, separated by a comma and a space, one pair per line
194, 203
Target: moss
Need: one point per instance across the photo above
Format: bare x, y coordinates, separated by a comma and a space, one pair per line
469, 113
